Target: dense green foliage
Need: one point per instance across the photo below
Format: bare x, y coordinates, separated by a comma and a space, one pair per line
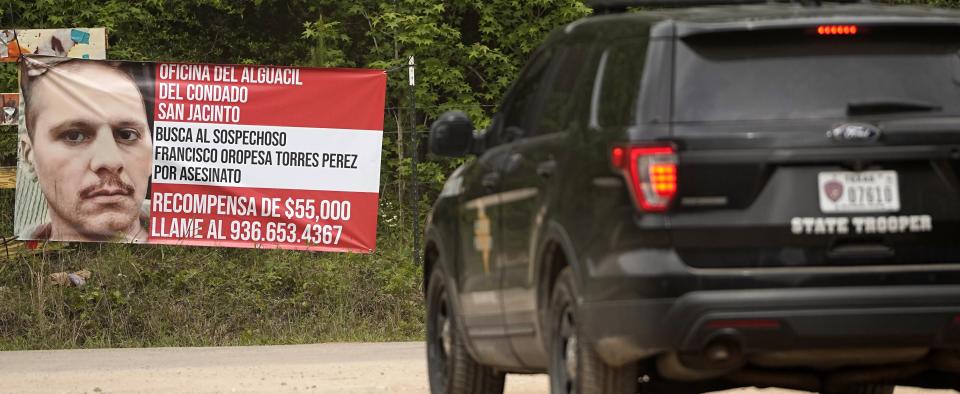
467, 52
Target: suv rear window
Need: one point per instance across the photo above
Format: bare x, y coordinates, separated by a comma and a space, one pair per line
798, 74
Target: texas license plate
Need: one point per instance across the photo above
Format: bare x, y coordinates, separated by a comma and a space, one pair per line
865, 191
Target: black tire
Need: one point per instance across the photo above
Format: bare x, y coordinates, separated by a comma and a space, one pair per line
868, 389
451, 368
575, 367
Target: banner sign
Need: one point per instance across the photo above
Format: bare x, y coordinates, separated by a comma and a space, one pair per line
82, 43
202, 154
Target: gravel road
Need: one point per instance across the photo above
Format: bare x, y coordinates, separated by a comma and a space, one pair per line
324, 368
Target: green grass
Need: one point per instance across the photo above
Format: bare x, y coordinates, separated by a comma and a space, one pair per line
182, 296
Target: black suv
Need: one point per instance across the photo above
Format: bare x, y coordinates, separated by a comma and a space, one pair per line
695, 199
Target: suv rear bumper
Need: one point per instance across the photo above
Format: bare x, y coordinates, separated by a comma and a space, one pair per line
775, 319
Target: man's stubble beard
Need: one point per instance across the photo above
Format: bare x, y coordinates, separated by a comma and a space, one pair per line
103, 223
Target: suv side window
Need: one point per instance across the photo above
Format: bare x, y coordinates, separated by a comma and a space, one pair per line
522, 107
566, 96
615, 103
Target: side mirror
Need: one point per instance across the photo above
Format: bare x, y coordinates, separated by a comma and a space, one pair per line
451, 134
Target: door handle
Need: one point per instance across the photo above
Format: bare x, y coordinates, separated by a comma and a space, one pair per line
491, 180
547, 168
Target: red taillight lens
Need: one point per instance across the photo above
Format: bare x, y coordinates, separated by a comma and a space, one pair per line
651, 172
833, 30
616, 157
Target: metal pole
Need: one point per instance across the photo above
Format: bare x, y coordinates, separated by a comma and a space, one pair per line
414, 184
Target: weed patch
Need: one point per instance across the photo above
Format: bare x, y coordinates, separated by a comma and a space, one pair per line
183, 296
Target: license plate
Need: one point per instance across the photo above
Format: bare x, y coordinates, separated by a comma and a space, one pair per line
866, 191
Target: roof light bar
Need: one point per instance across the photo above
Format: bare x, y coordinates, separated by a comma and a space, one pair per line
837, 30
603, 6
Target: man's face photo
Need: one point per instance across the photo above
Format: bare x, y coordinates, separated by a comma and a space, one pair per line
89, 144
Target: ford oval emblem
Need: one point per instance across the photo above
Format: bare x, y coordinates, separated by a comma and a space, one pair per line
854, 132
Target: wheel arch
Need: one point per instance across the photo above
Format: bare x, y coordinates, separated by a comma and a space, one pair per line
430, 256
435, 252
556, 252
433, 249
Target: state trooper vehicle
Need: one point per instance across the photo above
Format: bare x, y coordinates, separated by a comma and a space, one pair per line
698, 198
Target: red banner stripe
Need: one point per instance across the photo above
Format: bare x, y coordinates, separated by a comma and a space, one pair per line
182, 214
325, 98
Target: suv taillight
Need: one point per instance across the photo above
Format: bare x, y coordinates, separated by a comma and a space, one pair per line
651, 172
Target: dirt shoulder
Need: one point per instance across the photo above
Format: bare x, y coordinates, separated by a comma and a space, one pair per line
322, 368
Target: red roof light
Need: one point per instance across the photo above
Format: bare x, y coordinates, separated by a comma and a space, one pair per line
834, 30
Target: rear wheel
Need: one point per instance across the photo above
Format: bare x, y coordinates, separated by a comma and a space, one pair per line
575, 367
452, 370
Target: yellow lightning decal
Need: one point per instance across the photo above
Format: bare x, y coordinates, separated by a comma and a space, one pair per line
482, 239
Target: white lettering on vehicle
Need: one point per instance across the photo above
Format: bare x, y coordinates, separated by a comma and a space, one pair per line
862, 225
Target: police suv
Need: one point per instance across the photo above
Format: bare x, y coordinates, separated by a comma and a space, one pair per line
700, 198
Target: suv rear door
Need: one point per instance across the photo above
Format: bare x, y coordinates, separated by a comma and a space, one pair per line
479, 221
488, 196
798, 148
540, 160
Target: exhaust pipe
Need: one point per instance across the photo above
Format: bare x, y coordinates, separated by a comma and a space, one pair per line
720, 357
